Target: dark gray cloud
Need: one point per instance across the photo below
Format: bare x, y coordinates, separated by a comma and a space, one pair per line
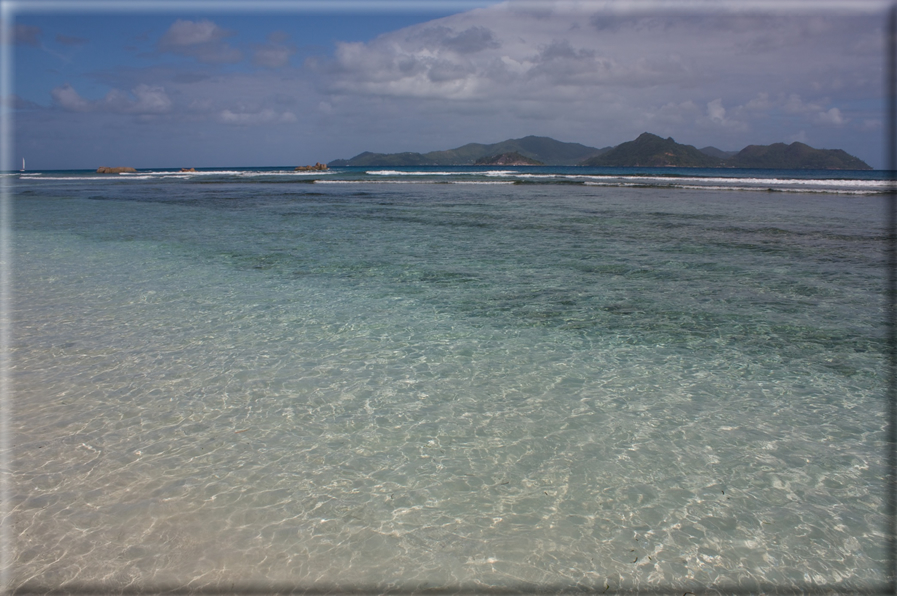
468, 41
558, 63
441, 71
472, 39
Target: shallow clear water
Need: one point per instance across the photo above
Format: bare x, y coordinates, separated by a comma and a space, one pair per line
438, 385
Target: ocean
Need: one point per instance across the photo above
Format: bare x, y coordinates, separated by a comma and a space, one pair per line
517, 378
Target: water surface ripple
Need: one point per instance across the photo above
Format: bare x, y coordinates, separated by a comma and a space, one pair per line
438, 385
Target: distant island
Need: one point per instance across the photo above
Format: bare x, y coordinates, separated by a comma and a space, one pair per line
653, 151
648, 150
545, 150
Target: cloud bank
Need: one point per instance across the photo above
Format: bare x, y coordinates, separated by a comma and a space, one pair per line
143, 100
573, 71
590, 65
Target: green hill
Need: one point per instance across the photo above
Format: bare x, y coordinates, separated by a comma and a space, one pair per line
647, 150
653, 151
542, 149
382, 159
796, 156
717, 153
507, 159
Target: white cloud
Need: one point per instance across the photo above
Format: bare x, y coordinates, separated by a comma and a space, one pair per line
832, 116
716, 112
800, 137
68, 99
672, 113
272, 55
143, 100
190, 33
759, 103
717, 117
265, 116
202, 40
795, 105
149, 100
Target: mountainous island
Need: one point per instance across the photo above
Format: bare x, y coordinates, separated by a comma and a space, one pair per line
647, 150
545, 150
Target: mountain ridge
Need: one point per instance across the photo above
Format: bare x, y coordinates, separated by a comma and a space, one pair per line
507, 159
648, 150
543, 149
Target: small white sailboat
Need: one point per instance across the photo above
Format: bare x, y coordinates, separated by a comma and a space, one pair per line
23, 165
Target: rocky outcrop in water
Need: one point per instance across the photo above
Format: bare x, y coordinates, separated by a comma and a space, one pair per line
317, 167
119, 170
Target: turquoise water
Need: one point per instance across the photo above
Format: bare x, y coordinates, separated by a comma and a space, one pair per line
252, 378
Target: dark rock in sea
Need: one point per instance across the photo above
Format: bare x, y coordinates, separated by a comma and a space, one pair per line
188, 169
507, 159
119, 170
317, 167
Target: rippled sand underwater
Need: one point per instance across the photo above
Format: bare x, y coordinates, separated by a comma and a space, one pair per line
429, 385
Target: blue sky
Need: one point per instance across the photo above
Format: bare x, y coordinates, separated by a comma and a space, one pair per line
294, 83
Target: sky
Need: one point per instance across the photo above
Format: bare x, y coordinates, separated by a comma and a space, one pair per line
216, 84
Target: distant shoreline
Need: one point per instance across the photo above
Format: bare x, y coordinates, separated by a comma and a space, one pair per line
648, 150
207, 169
